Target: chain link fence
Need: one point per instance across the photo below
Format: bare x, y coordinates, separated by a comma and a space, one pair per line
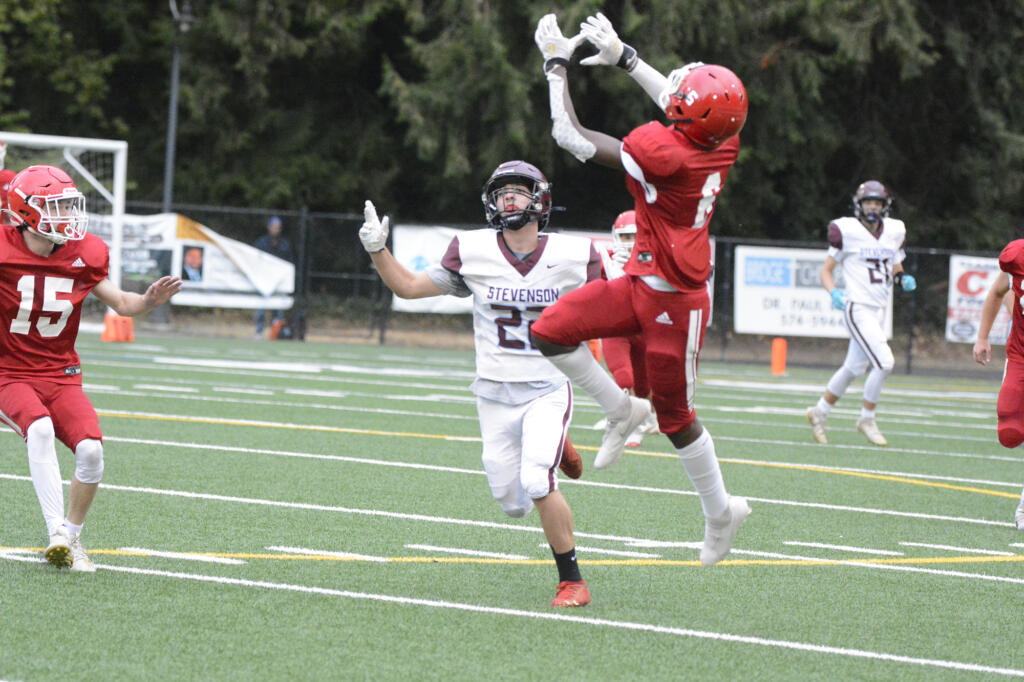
336, 285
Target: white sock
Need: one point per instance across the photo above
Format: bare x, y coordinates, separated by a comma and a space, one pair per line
824, 406
701, 466
45, 470
73, 529
865, 413
584, 372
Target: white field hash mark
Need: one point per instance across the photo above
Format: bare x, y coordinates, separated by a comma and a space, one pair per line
565, 618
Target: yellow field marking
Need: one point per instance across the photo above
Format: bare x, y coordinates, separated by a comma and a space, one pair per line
890, 561
642, 453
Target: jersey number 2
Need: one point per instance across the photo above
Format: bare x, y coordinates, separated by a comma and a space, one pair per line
51, 304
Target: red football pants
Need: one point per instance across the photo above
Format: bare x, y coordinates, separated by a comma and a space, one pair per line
671, 323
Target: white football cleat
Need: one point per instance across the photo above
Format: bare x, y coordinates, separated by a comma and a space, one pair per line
817, 420
58, 552
1018, 517
618, 430
719, 533
636, 438
82, 562
870, 430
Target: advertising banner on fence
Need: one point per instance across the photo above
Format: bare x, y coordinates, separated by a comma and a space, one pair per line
216, 271
970, 278
779, 292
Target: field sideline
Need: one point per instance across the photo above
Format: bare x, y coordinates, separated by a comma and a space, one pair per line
319, 511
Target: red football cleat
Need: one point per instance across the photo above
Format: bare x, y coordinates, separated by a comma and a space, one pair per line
571, 464
572, 593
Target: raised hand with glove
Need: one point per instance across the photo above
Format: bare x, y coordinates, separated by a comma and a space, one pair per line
374, 232
598, 30
555, 47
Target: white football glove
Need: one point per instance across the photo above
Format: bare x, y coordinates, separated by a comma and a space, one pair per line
598, 30
374, 232
621, 253
555, 47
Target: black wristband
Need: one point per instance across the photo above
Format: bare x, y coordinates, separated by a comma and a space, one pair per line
553, 62
628, 58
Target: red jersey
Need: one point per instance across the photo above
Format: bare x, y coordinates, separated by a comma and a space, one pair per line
1011, 261
674, 185
41, 305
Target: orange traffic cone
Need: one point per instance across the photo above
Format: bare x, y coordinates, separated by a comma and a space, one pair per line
117, 328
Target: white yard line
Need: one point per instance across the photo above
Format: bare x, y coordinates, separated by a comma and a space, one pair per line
470, 552
319, 552
188, 556
562, 617
843, 548
952, 548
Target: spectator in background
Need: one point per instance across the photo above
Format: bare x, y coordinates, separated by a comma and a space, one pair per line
192, 263
276, 245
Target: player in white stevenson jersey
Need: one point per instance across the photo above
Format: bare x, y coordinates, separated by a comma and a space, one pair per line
524, 403
870, 248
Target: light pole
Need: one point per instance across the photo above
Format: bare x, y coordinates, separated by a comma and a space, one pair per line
183, 20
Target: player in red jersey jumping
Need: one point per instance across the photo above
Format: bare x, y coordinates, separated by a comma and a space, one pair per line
49, 265
674, 173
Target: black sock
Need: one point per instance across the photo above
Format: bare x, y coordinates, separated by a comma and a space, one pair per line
568, 569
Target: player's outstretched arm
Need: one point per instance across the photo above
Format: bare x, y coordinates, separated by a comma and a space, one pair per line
129, 304
600, 33
583, 143
989, 309
404, 283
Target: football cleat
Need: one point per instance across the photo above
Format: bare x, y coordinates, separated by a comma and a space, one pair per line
720, 532
817, 420
636, 438
58, 552
571, 464
82, 562
571, 593
870, 430
618, 430
1018, 517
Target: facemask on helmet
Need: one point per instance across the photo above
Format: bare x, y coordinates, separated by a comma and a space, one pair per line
45, 200
624, 234
707, 102
526, 181
872, 189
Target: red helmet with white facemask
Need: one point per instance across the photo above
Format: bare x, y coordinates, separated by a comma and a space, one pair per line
707, 102
45, 200
625, 224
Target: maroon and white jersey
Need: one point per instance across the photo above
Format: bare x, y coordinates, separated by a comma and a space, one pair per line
1011, 261
674, 185
41, 305
509, 295
867, 259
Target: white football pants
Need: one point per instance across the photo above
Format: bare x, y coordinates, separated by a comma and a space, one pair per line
868, 346
522, 446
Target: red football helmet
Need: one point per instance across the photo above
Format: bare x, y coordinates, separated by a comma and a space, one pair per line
707, 102
45, 200
5, 182
625, 224
871, 189
538, 191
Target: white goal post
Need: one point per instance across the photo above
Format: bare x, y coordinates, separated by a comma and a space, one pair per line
98, 167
